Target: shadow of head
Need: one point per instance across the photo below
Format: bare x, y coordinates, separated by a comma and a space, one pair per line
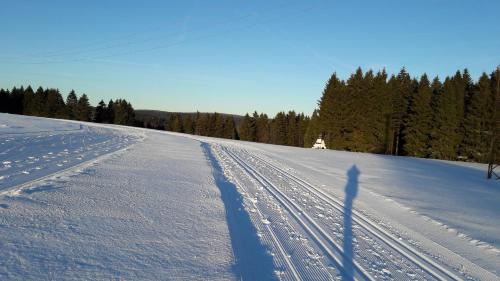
351, 188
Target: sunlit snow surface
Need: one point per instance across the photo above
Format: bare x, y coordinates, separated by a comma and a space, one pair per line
93, 202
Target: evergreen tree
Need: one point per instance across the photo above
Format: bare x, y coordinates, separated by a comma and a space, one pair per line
417, 130
474, 126
110, 112
313, 130
83, 109
279, 127
262, 133
188, 124
55, 104
100, 115
4, 100
16, 101
331, 112
71, 104
230, 128
175, 123
197, 123
246, 132
38, 108
123, 113
219, 123
29, 101
402, 90
443, 118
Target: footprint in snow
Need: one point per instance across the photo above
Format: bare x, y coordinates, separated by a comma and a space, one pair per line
266, 221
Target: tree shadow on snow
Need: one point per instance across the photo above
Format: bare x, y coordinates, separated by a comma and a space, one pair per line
252, 259
351, 190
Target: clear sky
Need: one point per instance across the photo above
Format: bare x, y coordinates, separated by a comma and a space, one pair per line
236, 56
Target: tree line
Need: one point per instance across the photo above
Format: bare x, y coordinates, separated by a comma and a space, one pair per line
450, 119
285, 128
50, 103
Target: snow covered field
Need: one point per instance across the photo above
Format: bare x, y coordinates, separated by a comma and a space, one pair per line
87, 201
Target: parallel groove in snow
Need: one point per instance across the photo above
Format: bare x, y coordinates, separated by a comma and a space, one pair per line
290, 205
275, 240
409, 252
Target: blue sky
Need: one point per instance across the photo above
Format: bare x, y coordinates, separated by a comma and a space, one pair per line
236, 56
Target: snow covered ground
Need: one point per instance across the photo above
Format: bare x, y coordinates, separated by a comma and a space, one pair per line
137, 204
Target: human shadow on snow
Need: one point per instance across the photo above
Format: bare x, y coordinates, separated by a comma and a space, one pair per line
351, 191
252, 258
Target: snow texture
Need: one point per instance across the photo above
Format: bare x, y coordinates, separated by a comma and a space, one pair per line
88, 201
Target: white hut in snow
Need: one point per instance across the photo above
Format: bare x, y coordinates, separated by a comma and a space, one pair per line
319, 144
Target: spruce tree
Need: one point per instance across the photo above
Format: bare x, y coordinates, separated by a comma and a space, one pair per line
4, 100
245, 130
230, 128
110, 112
83, 109
54, 104
188, 124
262, 128
417, 130
313, 130
444, 120
29, 101
71, 104
100, 112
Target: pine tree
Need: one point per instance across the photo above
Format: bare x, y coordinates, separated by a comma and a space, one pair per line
83, 109
474, 127
262, 133
100, 112
279, 127
245, 130
230, 128
188, 124
175, 123
302, 124
123, 113
417, 130
110, 112
331, 111
4, 100
444, 120
29, 101
71, 104
197, 123
54, 104
402, 88
313, 130
16, 101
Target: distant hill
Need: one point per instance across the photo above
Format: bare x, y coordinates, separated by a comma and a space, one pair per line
147, 114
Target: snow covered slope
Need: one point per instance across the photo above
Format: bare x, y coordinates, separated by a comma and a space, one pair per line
150, 211
154, 205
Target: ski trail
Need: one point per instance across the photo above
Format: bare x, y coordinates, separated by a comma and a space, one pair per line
379, 252
317, 233
281, 249
433, 268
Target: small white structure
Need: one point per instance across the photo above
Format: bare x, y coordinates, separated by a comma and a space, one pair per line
319, 144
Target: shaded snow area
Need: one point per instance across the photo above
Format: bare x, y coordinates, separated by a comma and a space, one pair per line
149, 205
